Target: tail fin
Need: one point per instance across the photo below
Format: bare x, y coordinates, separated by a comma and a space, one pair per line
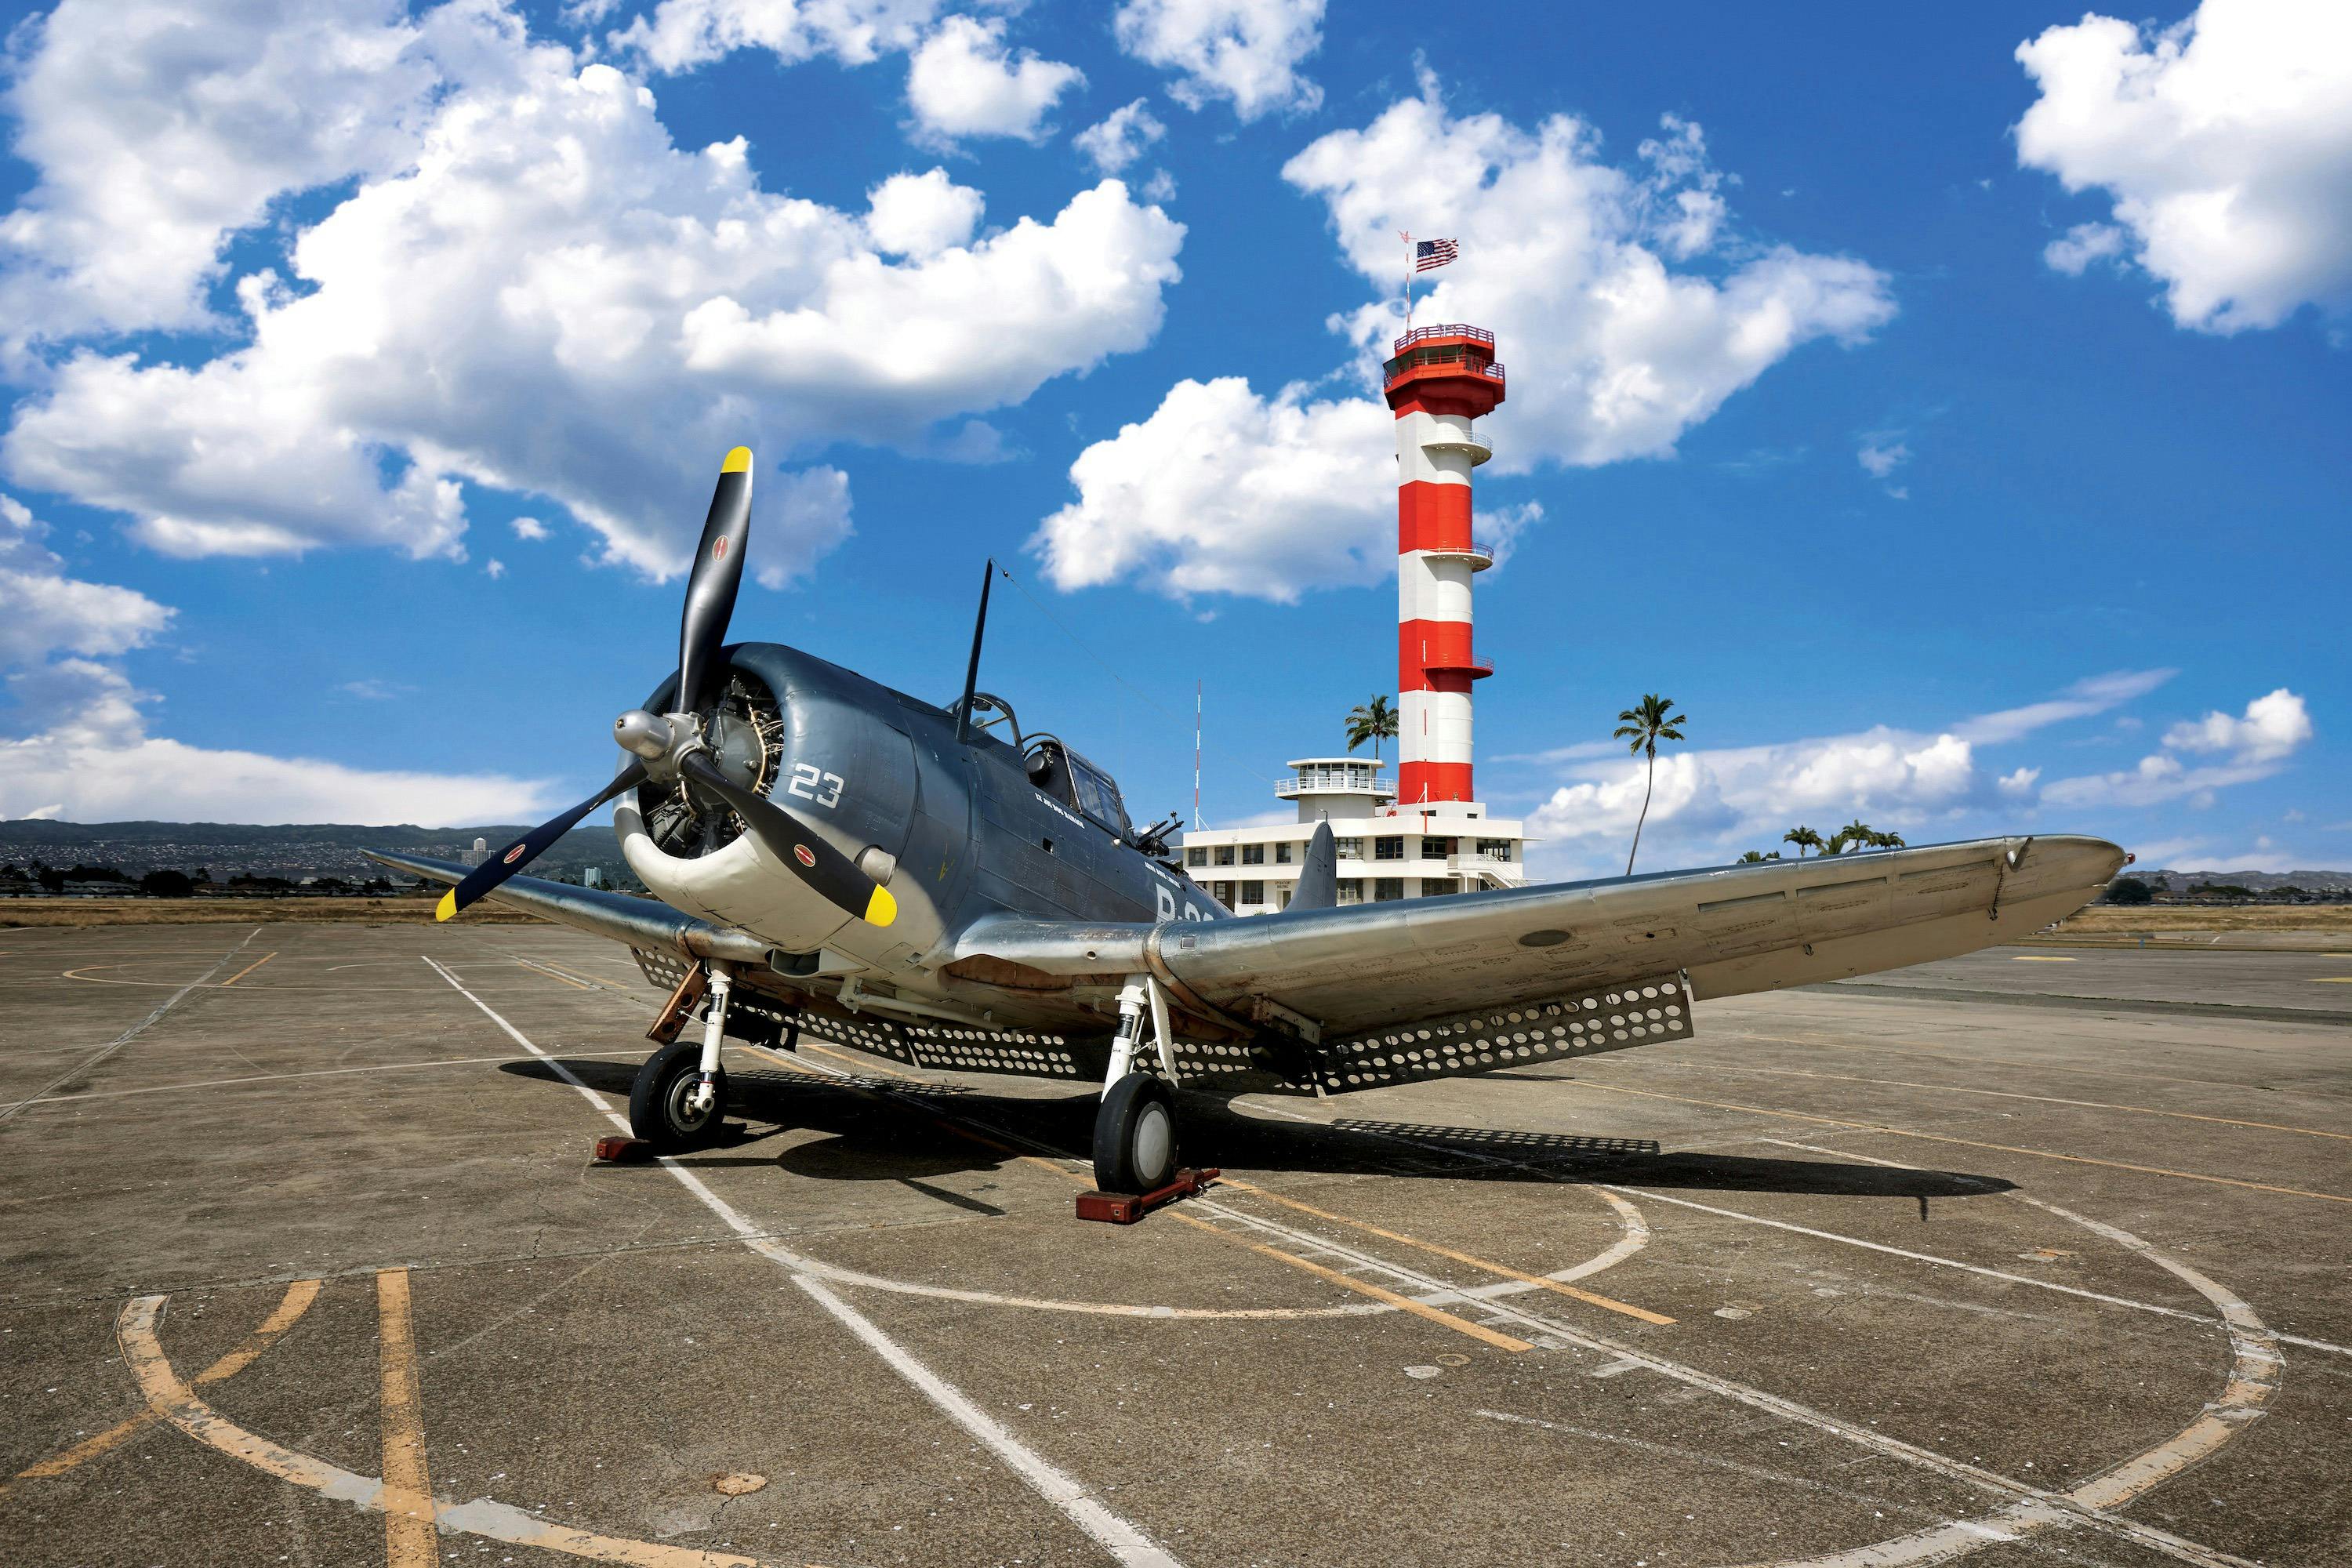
1319, 874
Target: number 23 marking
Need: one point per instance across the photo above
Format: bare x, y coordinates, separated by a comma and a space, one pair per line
805, 783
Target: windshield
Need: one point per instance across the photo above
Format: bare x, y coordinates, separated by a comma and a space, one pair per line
1099, 797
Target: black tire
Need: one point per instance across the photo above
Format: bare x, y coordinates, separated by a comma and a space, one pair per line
1135, 1136
657, 1100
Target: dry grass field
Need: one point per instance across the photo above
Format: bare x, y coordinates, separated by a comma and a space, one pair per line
2112, 919
26, 913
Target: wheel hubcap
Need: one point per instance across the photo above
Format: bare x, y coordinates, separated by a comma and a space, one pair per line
1155, 1141
680, 1099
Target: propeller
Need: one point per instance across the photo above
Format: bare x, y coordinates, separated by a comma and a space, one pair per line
524, 850
667, 747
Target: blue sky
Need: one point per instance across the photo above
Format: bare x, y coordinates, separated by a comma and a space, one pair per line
1953, 429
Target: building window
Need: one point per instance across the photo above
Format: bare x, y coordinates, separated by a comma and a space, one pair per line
1348, 848
1437, 887
1196, 857
1281, 854
1388, 848
1351, 889
1222, 893
1281, 896
1436, 848
1224, 854
1495, 848
1253, 893
1387, 888
1252, 854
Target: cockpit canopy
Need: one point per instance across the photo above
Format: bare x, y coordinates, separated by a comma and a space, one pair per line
1055, 769
1061, 772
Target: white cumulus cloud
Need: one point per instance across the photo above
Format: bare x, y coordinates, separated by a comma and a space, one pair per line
1225, 491
1120, 140
922, 214
546, 296
1246, 52
91, 759
680, 35
158, 130
964, 81
1612, 352
1881, 458
2272, 727
43, 611
2241, 749
2224, 143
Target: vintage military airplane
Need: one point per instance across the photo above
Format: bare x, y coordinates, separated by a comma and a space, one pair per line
938, 885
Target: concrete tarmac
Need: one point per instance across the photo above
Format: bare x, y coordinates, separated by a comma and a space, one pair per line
303, 1260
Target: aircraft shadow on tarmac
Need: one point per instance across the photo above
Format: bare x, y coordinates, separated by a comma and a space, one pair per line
875, 1140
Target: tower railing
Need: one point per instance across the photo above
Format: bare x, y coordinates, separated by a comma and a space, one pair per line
1475, 335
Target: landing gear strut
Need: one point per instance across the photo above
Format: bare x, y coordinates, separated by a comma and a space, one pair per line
679, 1098
1135, 1130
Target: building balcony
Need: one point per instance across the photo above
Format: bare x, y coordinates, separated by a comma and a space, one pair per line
1477, 666
1426, 363
1478, 552
1454, 329
1359, 780
1470, 444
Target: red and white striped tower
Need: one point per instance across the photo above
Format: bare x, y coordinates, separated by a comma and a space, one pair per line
1440, 379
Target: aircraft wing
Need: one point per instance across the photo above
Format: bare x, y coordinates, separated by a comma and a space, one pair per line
1621, 958
646, 924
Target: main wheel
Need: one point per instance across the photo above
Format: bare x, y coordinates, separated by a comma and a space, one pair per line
1135, 1136
657, 1100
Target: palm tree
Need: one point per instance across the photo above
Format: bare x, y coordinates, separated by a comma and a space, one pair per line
1645, 726
1886, 841
1803, 837
1757, 858
1371, 721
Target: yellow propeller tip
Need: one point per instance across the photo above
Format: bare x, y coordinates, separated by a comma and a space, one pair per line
447, 906
881, 908
737, 461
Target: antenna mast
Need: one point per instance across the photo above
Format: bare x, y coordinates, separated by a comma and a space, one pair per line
1196, 755
971, 671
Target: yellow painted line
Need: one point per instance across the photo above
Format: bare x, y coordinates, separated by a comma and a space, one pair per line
291, 1306
246, 970
408, 1533
2333, 980
1971, 1143
173, 1401
2039, 1098
552, 975
2038, 958
1506, 1270
1402, 1303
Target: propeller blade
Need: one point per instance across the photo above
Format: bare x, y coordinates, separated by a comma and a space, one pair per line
718, 573
507, 862
809, 858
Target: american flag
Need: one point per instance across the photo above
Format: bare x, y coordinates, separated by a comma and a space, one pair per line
1433, 253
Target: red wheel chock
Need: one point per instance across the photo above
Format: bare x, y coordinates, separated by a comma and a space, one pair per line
614, 1150
1123, 1208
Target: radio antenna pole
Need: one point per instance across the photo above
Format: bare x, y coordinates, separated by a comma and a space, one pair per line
1196, 754
971, 671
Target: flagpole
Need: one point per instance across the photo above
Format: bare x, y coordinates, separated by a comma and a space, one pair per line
1408, 281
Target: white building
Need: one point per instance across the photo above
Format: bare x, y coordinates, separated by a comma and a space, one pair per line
1440, 381
1386, 850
